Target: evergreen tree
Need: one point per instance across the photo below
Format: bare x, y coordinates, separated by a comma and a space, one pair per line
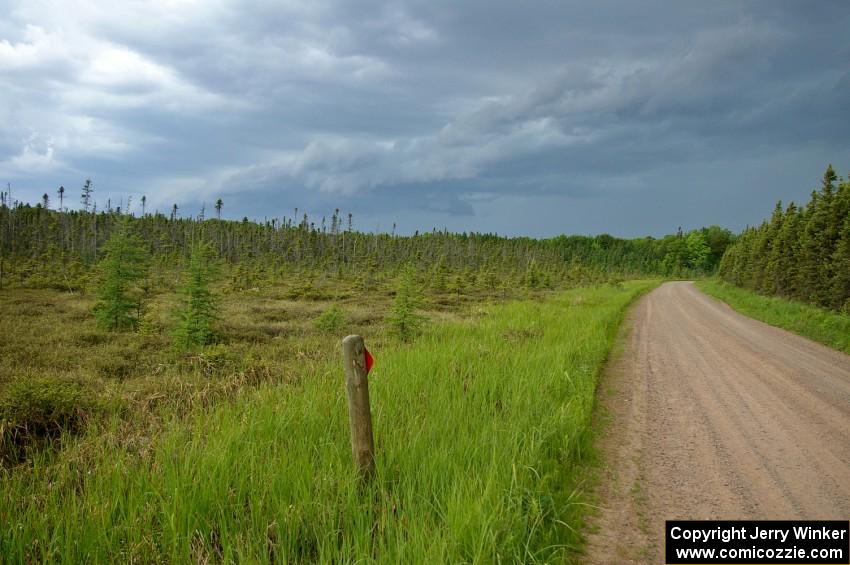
439, 275
807, 271
839, 282
840, 287
756, 260
404, 319
531, 279
197, 320
124, 263
782, 261
829, 238
801, 253
819, 238
734, 264
86, 196
768, 283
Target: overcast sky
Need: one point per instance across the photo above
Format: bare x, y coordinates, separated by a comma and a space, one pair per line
535, 118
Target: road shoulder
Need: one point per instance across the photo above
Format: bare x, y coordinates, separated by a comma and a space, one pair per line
619, 530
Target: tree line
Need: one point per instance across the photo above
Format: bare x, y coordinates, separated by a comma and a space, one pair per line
802, 252
44, 247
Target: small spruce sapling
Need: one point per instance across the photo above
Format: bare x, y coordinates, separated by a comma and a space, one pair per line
196, 326
332, 320
124, 263
404, 319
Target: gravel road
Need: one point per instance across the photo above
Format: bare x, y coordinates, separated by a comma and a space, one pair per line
713, 415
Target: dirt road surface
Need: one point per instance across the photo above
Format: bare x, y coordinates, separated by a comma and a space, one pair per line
713, 415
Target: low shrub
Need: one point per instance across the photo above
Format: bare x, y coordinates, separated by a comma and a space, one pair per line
214, 359
35, 411
91, 338
118, 365
332, 320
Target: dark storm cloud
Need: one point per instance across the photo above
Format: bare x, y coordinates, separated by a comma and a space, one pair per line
540, 118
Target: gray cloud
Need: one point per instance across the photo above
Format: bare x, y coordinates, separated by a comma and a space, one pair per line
492, 116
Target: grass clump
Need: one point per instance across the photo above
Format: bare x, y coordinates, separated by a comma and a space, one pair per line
824, 326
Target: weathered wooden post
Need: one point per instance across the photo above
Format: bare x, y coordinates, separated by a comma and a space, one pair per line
359, 413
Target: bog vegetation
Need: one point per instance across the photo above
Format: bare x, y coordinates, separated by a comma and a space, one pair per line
170, 388
241, 453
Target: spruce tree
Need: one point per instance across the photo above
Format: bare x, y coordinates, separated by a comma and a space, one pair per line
768, 282
840, 287
439, 275
839, 284
738, 268
810, 232
801, 253
404, 319
782, 261
818, 242
757, 259
86, 195
124, 263
196, 326
829, 236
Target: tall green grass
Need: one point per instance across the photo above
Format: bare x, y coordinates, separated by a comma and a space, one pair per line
481, 428
829, 328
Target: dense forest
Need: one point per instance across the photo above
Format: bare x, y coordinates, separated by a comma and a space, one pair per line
801, 252
44, 247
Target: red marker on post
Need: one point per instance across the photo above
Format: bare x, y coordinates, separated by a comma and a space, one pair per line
369, 360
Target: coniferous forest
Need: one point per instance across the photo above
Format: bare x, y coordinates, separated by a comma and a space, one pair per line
42, 247
802, 252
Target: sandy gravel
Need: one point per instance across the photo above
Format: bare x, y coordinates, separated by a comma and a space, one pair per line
713, 415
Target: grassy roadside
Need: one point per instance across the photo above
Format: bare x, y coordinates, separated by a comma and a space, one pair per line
481, 426
829, 328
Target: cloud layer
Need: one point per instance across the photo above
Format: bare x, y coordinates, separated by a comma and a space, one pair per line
509, 117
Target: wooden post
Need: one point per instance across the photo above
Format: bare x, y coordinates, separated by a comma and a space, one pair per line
359, 413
